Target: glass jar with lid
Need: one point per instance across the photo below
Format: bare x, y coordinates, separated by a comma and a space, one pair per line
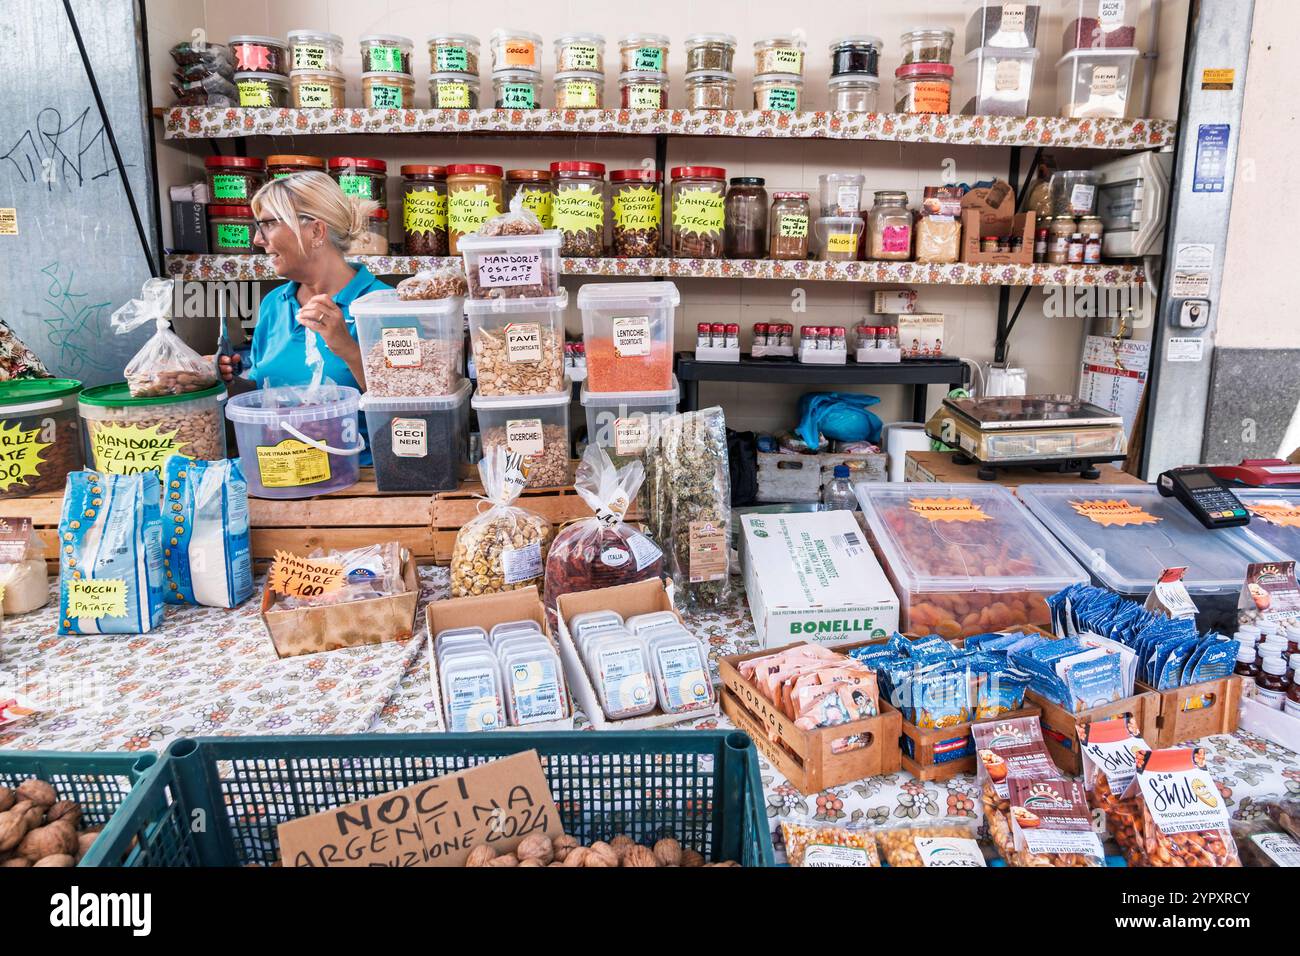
889, 227
280, 165
516, 89
779, 54
1058, 240
1090, 227
386, 53
710, 90
643, 90
259, 54
516, 50
315, 50
362, 177
453, 53
387, 91
234, 179
453, 91
923, 88
854, 92
535, 187
580, 52
788, 225
779, 92
474, 195
578, 207
317, 89
643, 51
714, 52
231, 229
262, 89
636, 211
579, 90
857, 55
927, 45
698, 212
745, 211
424, 210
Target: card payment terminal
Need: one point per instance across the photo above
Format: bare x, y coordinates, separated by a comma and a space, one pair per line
1205, 495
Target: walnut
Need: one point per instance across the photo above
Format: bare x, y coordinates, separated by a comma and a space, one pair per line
561, 846
38, 792
480, 856
601, 853
535, 846
577, 856
48, 840
56, 859
16, 861
668, 852
13, 826
68, 810
692, 858
7, 798
640, 856
509, 859
531, 862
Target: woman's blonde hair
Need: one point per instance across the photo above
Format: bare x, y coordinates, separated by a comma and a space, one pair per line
316, 196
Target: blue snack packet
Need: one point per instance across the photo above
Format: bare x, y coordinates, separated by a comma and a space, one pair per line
1093, 683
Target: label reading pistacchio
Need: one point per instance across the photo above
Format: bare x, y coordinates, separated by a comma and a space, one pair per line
631, 335
1006, 76
1113, 513
947, 509
1013, 18
582, 56
525, 436
631, 435
385, 97
518, 96
1105, 80
452, 94
401, 347
707, 545
826, 854
229, 186
469, 209
578, 209
452, 59
424, 211
637, 207
794, 227
410, 437
497, 269
309, 56
580, 94
523, 342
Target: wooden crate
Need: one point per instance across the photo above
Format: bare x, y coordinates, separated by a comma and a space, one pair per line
1177, 720
926, 743
806, 757
1060, 727
45, 511
785, 476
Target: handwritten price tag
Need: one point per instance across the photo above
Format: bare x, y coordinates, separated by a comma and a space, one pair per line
295, 576
96, 598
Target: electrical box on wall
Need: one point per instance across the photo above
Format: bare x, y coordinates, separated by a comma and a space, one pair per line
1194, 313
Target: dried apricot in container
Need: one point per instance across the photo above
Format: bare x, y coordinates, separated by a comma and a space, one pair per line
829, 846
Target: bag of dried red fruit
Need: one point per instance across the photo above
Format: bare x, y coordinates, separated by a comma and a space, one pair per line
601, 551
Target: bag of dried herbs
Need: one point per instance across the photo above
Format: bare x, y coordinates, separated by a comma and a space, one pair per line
601, 551
503, 548
689, 492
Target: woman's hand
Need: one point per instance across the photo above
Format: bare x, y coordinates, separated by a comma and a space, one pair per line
322, 314
228, 366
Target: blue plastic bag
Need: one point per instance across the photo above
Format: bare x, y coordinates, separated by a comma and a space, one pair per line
207, 557
839, 416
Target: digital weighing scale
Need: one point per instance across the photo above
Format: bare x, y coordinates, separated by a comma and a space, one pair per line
1056, 433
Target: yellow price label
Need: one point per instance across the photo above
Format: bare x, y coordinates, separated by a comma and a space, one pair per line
96, 598
295, 576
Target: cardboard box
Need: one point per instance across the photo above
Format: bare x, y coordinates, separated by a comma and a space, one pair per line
487, 611
812, 577
991, 211
920, 336
643, 597
309, 630
893, 301
939, 466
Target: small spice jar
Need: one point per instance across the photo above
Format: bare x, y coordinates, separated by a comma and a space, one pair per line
538, 196
1042, 238
579, 90
474, 195
643, 90
578, 208
710, 51
317, 89
515, 50
424, 210
231, 229
315, 50
386, 53
788, 222
361, 177
854, 92
580, 53
890, 227
643, 51
856, 55
286, 164
262, 89
745, 209
636, 208
710, 90
777, 91
1091, 229
988, 244
234, 179
455, 91
453, 53
387, 91
779, 54
698, 212
1058, 242
258, 54
927, 46
1074, 254
374, 241
923, 88
516, 89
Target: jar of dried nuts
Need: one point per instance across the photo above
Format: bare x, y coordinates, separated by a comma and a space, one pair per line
453, 52
710, 51
578, 208
779, 54
424, 210
789, 220
636, 209
745, 210
538, 197
710, 90
698, 212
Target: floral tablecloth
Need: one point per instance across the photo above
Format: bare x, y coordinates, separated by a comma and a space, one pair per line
214, 672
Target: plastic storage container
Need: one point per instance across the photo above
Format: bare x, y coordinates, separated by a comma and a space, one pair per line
418, 443
317, 89
535, 426
1095, 83
518, 345
262, 89
516, 89
580, 51
837, 237
386, 90
515, 50
1007, 26
579, 90
127, 435
1274, 516
260, 54
41, 432
512, 267
386, 53
453, 53
297, 451
315, 50
1000, 81
964, 558
1126, 535
621, 422
1092, 24
410, 347
627, 329
453, 91
840, 193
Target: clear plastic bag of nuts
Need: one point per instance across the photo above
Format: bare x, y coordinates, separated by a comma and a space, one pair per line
1182, 816
164, 365
950, 843
504, 548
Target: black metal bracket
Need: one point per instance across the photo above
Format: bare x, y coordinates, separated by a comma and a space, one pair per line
1005, 325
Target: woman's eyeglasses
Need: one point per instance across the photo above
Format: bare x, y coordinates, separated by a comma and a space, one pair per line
266, 225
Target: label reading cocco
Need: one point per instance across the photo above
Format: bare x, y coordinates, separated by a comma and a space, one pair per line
452, 95
523, 342
524, 436
229, 186
410, 437
424, 211
518, 96
699, 211
510, 269
631, 335
384, 97
520, 53
401, 347
782, 99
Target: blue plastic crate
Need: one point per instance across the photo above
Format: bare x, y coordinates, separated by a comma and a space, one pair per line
701, 787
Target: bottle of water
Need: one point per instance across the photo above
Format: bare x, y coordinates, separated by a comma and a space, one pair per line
838, 494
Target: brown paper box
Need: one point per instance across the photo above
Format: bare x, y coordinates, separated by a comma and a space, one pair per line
309, 630
991, 211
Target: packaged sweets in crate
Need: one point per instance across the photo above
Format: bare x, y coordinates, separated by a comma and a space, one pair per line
504, 547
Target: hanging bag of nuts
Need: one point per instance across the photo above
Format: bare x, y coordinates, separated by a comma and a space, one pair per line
165, 365
503, 548
601, 551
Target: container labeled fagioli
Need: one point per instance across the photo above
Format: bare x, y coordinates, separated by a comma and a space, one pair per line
317, 89
453, 53
262, 89
516, 50
297, 449
579, 90
779, 92
409, 347
315, 50
516, 89
231, 229
643, 51
457, 91
259, 54
234, 179
386, 53
127, 435
418, 443
627, 329
385, 90
534, 426
582, 52
40, 435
